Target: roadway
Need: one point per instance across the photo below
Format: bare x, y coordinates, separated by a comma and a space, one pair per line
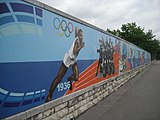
138, 99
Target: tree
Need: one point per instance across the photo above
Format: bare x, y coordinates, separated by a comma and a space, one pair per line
136, 35
158, 54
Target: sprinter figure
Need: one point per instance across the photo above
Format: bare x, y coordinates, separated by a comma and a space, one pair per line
69, 60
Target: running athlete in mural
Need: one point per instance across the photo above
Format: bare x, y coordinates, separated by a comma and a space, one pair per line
69, 60
142, 58
117, 46
123, 59
106, 60
131, 56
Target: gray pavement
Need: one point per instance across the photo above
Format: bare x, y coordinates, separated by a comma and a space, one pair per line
138, 99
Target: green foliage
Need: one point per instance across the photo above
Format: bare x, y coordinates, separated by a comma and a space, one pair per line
158, 55
136, 35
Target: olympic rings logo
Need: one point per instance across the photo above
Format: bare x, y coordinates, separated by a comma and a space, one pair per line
63, 27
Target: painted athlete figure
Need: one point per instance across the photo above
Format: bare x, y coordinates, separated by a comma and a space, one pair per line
69, 60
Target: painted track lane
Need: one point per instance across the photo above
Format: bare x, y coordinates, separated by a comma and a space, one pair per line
88, 76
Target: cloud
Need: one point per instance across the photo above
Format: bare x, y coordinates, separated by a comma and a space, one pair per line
113, 13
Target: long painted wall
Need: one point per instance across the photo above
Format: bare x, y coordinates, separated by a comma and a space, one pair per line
33, 43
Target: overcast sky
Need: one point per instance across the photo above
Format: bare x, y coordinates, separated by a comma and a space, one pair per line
113, 13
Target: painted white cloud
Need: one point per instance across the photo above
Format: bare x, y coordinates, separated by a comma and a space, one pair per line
113, 13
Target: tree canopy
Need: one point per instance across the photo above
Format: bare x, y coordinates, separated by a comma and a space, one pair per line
136, 35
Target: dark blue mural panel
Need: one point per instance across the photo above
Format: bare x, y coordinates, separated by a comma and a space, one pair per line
19, 7
3, 8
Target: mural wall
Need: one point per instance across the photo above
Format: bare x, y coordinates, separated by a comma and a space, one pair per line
44, 56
